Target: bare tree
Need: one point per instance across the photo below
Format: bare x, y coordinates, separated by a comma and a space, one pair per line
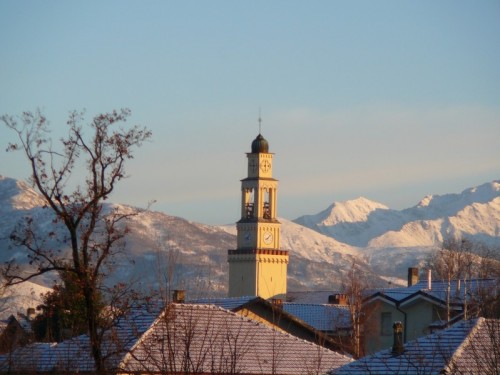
92, 234
465, 260
354, 287
189, 339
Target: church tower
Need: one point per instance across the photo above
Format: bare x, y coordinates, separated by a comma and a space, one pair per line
258, 267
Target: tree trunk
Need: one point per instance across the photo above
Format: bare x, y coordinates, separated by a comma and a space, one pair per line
95, 341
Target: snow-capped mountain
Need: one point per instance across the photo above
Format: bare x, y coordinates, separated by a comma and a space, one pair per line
163, 249
474, 213
407, 236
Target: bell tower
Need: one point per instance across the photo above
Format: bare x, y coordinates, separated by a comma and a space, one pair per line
258, 267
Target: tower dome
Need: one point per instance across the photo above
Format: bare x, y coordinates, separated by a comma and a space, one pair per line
260, 145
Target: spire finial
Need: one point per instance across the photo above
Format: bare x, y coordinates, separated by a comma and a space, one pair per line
260, 122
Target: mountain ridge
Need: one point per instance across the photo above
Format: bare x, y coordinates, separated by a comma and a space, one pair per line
434, 218
322, 246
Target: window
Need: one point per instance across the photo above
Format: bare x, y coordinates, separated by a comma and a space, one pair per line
386, 324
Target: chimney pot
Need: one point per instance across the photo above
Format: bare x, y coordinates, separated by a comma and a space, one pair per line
278, 302
412, 276
338, 299
178, 296
429, 279
398, 345
30, 313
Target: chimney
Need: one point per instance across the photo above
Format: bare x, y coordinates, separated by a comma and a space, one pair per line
398, 345
30, 313
429, 279
278, 302
412, 276
178, 296
338, 299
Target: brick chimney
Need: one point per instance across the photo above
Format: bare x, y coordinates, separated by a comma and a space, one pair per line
338, 299
278, 302
398, 345
30, 313
412, 276
178, 296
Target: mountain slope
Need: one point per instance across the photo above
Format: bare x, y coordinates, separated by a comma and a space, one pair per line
163, 251
169, 252
474, 213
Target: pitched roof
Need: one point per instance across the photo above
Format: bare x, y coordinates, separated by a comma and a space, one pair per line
206, 338
75, 354
203, 337
314, 297
470, 346
228, 303
322, 317
438, 291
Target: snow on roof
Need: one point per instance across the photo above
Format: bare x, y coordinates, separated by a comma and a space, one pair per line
469, 346
220, 341
314, 297
438, 290
322, 317
228, 303
74, 354
211, 337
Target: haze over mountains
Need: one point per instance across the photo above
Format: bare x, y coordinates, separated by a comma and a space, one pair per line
163, 249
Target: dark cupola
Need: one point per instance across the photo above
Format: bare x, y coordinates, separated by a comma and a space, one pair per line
260, 145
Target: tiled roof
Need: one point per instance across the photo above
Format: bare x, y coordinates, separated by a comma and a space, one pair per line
202, 337
314, 297
74, 354
228, 303
469, 347
321, 317
439, 288
207, 339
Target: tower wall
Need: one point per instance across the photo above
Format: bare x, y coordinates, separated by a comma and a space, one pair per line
258, 273
258, 267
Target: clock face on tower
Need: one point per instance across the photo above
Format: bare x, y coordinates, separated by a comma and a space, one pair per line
265, 166
268, 238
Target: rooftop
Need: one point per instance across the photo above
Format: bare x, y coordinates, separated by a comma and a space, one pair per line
468, 347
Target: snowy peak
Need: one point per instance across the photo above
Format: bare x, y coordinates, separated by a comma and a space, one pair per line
473, 213
351, 211
18, 195
453, 203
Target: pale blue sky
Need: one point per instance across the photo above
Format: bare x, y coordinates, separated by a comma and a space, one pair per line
391, 100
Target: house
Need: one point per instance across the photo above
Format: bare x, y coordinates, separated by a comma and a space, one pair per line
468, 347
313, 323
422, 308
16, 331
180, 339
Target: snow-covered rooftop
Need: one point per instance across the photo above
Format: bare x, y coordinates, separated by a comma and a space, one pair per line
322, 317
214, 339
468, 347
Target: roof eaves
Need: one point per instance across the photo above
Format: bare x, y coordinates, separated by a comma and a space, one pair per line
425, 296
381, 296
